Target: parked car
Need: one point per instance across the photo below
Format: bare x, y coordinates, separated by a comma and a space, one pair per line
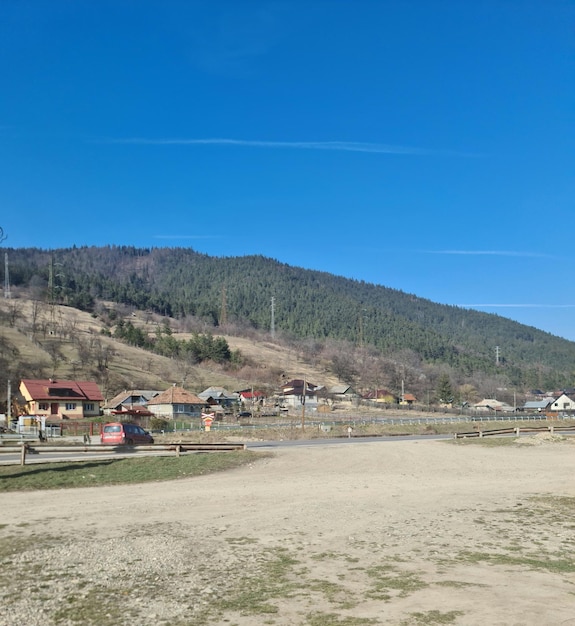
244, 414
116, 434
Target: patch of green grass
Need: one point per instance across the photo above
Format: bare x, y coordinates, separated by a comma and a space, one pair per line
563, 504
431, 617
241, 541
333, 592
254, 594
557, 566
120, 471
98, 607
492, 441
387, 582
322, 556
12, 545
332, 619
456, 584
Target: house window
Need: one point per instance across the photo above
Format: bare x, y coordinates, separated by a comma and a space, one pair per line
70, 406
89, 406
179, 408
43, 406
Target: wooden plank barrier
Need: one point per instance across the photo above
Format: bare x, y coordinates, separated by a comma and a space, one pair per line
517, 431
26, 449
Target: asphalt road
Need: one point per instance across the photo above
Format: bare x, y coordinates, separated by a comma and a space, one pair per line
11, 458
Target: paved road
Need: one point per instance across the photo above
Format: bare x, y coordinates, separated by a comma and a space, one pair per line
8, 458
115, 453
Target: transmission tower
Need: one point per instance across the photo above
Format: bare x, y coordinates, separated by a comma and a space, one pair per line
7, 294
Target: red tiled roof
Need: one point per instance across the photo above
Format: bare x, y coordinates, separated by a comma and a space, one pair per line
51, 390
176, 395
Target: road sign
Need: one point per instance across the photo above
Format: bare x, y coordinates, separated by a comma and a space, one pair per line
208, 419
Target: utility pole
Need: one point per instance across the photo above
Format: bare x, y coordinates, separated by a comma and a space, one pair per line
9, 403
303, 406
273, 324
3, 237
7, 294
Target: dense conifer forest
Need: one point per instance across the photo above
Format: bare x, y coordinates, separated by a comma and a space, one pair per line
308, 305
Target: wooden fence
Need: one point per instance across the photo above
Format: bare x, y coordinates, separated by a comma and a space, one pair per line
514, 431
25, 449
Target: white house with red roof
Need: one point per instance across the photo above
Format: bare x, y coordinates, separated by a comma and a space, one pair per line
61, 399
252, 397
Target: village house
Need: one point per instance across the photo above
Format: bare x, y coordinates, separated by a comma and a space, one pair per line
562, 403
292, 394
491, 404
177, 403
132, 402
407, 399
251, 397
342, 393
538, 406
219, 396
61, 399
381, 396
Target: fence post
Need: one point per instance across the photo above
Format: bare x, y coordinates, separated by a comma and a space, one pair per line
517, 431
23, 454
551, 429
481, 433
178, 450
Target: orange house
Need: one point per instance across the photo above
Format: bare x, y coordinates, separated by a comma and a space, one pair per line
61, 399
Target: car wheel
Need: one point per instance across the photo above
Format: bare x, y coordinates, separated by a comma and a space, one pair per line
129, 442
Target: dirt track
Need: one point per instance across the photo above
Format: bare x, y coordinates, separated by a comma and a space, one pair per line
396, 533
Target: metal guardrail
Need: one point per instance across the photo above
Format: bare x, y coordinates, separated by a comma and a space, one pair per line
25, 449
356, 419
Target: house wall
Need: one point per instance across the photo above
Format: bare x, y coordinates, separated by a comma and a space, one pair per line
167, 411
295, 401
77, 412
564, 403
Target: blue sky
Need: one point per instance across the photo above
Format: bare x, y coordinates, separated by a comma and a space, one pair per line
424, 145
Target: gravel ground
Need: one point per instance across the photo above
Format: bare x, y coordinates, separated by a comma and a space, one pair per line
400, 533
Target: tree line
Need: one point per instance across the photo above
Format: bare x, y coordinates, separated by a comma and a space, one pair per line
183, 284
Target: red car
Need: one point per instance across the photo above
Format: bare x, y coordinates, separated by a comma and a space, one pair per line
116, 434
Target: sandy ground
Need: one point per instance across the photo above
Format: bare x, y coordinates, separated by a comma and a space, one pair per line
396, 533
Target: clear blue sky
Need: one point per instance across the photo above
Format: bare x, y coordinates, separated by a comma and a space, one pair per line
424, 145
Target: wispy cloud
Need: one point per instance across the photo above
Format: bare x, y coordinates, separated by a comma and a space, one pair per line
346, 146
489, 253
517, 306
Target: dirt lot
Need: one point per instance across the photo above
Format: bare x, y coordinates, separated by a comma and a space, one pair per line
399, 533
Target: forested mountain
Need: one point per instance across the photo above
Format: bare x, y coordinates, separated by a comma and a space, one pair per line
182, 283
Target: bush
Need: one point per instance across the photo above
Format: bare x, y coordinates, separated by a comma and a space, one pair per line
158, 423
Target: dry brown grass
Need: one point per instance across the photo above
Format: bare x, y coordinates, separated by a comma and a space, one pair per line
129, 367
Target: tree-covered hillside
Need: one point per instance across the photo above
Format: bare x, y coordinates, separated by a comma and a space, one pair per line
182, 283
